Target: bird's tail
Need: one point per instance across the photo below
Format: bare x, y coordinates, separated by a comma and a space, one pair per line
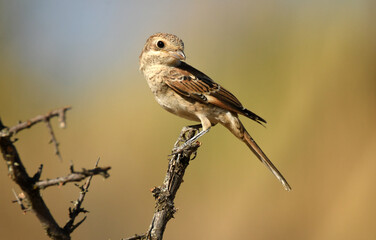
247, 139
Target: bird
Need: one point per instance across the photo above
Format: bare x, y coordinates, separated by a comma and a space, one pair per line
188, 93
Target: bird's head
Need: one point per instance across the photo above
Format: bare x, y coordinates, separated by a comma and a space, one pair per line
162, 49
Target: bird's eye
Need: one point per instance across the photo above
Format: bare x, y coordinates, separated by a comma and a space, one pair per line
160, 44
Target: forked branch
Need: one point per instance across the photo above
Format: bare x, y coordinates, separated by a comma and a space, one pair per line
31, 186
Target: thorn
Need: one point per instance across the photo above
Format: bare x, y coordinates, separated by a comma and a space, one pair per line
96, 164
71, 167
38, 174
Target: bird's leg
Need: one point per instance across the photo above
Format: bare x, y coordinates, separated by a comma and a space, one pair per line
195, 137
190, 141
205, 125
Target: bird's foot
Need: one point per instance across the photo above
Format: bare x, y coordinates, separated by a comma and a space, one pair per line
189, 142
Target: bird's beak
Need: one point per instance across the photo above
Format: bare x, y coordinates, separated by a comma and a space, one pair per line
178, 55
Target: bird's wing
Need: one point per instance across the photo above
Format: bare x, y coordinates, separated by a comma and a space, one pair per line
191, 83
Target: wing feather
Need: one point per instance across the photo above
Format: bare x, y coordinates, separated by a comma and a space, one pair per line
190, 82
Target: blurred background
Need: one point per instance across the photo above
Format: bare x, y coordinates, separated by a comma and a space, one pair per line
307, 67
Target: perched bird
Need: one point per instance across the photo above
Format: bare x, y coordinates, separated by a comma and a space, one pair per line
185, 91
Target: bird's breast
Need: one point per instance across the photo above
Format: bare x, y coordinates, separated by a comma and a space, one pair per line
173, 102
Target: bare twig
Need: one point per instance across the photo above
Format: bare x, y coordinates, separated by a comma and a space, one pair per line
73, 213
60, 113
136, 237
53, 138
31, 186
164, 195
18, 173
73, 177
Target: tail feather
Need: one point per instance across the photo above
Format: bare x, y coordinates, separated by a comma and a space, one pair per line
253, 116
233, 123
264, 159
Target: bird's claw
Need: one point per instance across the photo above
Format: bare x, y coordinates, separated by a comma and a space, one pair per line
188, 144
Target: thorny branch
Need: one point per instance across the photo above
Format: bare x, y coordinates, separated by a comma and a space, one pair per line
164, 195
53, 138
73, 213
60, 113
74, 176
31, 186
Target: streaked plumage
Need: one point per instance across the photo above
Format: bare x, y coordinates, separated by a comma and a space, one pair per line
185, 91
190, 82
